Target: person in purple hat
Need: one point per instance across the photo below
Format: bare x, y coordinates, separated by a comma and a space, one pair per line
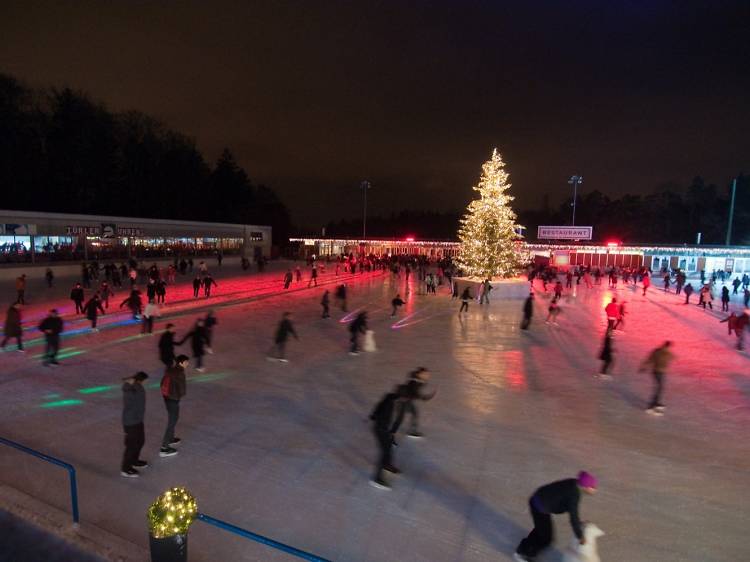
562, 496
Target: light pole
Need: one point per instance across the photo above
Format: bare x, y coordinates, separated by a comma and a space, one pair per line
575, 180
365, 185
731, 212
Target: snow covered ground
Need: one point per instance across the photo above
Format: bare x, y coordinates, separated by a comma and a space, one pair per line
285, 450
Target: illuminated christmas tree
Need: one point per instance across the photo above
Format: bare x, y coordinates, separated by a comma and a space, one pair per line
488, 229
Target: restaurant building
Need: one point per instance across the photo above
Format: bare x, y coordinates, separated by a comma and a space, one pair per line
32, 237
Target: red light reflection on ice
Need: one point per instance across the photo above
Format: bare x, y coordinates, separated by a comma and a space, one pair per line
514, 373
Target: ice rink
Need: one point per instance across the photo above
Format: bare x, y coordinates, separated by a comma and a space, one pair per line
285, 449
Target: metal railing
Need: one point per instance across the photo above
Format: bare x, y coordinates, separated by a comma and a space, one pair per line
260, 538
52, 460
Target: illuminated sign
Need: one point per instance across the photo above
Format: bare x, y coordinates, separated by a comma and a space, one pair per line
256, 236
565, 232
106, 230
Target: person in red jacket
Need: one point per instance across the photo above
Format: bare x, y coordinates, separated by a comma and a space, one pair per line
646, 283
613, 314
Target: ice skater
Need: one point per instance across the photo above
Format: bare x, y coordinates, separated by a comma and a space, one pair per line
606, 355
688, 290
386, 422
198, 339
646, 283
209, 322
133, 410
325, 302
414, 390
51, 327
283, 331
658, 361
341, 296
173, 388
465, 298
208, 282
396, 303
105, 291
166, 346
76, 295
357, 327
151, 312
613, 313
486, 288
553, 311
134, 303
563, 496
12, 327
197, 286
92, 309
287, 279
725, 299
528, 311
21, 289
313, 276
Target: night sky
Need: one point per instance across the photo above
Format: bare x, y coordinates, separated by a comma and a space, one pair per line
314, 96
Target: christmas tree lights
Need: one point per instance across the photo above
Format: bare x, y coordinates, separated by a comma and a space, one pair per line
172, 513
488, 229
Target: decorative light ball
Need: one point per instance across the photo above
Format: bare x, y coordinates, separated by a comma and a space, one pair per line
172, 513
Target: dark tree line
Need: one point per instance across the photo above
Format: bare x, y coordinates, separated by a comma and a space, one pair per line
60, 151
671, 214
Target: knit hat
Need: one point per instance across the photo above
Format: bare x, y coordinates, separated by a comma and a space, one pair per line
586, 480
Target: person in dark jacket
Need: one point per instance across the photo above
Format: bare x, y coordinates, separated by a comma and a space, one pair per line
414, 390
196, 286
606, 355
198, 340
161, 291
283, 331
396, 303
324, 302
133, 410
76, 295
208, 282
465, 298
104, 293
562, 496
151, 290
51, 327
134, 302
341, 296
173, 388
313, 276
288, 278
12, 327
357, 327
92, 309
386, 422
166, 346
528, 311
209, 322
725, 299
688, 290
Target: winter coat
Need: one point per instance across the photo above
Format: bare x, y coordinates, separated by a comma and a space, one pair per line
12, 326
93, 307
133, 403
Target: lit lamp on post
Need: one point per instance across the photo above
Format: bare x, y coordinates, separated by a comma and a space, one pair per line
365, 185
574, 181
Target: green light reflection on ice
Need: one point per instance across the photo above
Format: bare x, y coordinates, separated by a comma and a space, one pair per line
61, 403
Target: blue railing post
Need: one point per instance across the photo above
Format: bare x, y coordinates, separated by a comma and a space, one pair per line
57, 462
260, 538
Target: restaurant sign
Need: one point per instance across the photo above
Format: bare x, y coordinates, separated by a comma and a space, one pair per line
565, 232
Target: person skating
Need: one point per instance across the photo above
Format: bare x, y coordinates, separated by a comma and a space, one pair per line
209, 322
706, 297
51, 327
49, 277
298, 273
486, 288
558, 290
528, 311
76, 295
688, 290
151, 290
386, 419
134, 302
607, 355
173, 388
208, 281
161, 291
166, 346
283, 331
658, 361
357, 327
667, 282
133, 410
105, 292
12, 327
414, 390
92, 309
563, 496
613, 312
324, 302
396, 303
288, 279
313, 276
465, 298
553, 311
621, 316
197, 286
725, 299
341, 296
21, 289
198, 339
646, 283
150, 313
736, 285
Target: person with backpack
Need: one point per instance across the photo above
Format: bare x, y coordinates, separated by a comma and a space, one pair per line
76, 295
133, 410
173, 389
